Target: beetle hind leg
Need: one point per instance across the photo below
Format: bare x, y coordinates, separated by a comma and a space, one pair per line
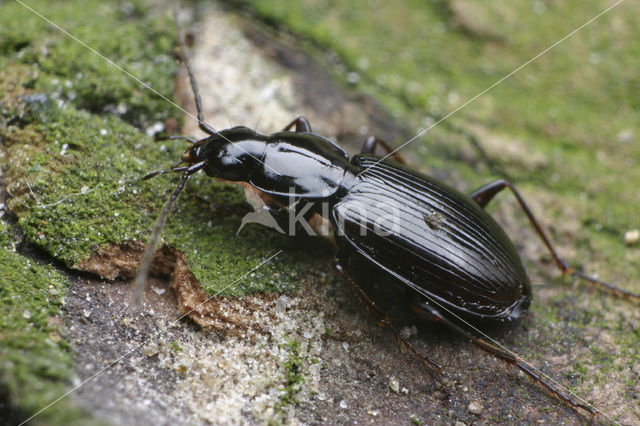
426, 310
383, 319
485, 194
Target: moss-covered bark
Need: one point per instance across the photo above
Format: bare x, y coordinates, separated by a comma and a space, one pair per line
76, 144
75, 140
35, 362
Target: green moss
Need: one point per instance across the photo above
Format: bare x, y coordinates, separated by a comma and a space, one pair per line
74, 147
578, 373
35, 362
294, 375
4, 234
176, 347
68, 71
75, 171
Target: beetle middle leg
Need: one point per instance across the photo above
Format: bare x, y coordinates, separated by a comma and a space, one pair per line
485, 194
301, 125
383, 319
369, 147
425, 309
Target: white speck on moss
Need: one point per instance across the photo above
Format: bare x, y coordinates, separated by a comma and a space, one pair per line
156, 127
632, 236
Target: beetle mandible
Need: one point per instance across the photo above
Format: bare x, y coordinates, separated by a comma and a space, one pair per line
442, 246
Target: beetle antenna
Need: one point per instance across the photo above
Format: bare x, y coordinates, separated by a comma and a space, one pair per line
173, 169
143, 270
259, 118
609, 287
192, 79
189, 139
162, 172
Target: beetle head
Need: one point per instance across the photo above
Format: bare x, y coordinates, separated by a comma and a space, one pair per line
230, 154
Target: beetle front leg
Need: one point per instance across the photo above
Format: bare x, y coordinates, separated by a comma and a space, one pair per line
485, 194
426, 310
370, 144
301, 125
383, 319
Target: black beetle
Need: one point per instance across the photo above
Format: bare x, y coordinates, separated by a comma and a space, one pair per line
426, 236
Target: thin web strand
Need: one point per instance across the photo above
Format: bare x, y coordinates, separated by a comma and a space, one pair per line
131, 76
422, 132
120, 358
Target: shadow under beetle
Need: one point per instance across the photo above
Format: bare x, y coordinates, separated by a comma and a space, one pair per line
444, 246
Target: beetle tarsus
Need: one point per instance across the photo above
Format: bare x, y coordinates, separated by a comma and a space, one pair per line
609, 287
382, 318
485, 194
427, 310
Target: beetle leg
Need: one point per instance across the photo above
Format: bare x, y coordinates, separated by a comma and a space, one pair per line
383, 319
301, 125
485, 194
427, 310
370, 144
